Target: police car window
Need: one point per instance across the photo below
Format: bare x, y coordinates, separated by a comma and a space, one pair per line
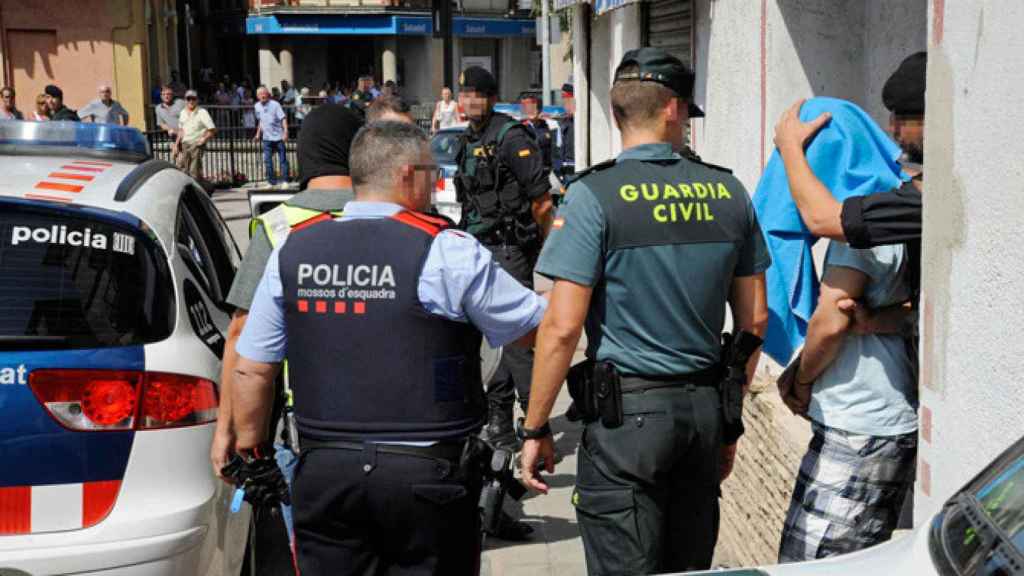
204, 239
75, 280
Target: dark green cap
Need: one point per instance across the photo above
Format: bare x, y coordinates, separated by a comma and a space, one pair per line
479, 80
657, 65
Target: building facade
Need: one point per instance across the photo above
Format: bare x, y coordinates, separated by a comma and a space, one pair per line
79, 44
312, 42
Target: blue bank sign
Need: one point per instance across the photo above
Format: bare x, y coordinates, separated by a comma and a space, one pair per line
355, 24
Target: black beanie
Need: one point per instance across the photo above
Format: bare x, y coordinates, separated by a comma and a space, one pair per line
324, 141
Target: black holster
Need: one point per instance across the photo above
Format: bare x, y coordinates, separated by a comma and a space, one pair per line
495, 466
596, 391
736, 352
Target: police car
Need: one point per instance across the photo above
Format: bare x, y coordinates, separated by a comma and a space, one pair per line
979, 531
113, 272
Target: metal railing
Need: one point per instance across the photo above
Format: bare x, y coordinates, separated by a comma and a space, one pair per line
232, 157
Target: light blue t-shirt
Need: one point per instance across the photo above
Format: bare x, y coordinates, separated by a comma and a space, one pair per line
459, 281
271, 118
870, 388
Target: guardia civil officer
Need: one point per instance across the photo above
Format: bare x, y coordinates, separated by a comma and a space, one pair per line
380, 313
567, 132
646, 252
506, 204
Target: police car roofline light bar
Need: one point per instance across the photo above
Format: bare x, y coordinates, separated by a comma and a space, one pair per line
107, 141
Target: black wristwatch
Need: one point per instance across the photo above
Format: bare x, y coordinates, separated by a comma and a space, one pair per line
524, 433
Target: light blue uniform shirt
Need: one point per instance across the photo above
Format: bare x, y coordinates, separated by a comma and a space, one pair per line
271, 118
460, 281
869, 388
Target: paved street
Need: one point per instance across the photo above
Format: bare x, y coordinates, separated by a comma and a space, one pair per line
556, 548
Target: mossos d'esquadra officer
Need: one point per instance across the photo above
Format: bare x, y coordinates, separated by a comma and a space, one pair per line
380, 312
647, 251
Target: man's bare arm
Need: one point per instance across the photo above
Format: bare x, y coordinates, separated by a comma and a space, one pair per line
543, 211
557, 337
829, 324
820, 211
252, 401
224, 435
749, 305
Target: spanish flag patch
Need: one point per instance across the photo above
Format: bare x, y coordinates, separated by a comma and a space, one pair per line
524, 152
558, 222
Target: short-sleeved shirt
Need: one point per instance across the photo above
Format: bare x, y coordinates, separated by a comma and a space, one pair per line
243, 289
194, 124
459, 281
168, 115
271, 120
870, 388
657, 309
103, 114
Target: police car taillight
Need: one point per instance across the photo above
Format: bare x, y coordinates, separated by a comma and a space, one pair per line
124, 399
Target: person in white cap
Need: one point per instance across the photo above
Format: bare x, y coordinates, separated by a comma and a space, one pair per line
104, 110
195, 128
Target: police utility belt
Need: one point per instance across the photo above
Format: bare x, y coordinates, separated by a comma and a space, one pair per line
597, 387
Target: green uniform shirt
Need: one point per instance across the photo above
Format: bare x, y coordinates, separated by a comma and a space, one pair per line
243, 289
658, 306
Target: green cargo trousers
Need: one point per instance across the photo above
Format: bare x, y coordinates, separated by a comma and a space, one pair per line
647, 492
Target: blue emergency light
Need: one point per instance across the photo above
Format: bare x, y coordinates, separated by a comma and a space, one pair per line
97, 139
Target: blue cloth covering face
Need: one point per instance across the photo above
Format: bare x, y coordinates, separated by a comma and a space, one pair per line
852, 156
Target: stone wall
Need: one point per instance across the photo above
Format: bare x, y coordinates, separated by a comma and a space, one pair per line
755, 498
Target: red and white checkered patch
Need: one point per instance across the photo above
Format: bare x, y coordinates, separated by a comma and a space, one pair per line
56, 507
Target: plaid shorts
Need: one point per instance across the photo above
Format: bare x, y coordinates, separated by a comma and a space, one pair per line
848, 493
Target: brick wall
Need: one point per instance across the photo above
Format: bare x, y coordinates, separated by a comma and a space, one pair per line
755, 498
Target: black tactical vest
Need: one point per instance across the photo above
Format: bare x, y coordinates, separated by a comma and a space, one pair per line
494, 207
367, 362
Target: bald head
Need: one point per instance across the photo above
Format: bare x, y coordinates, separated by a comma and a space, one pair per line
105, 93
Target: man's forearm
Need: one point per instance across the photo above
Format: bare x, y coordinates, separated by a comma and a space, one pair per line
543, 210
553, 355
896, 319
824, 338
228, 370
253, 400
820, 211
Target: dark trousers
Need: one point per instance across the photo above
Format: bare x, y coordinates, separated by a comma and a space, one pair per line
371, 513
516, 367
647, 492
269, 148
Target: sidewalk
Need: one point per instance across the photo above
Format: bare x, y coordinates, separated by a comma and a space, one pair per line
556, 548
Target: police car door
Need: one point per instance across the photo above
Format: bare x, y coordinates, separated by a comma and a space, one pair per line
207, 261
211, 258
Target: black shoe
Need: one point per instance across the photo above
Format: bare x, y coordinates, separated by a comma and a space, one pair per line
511, 529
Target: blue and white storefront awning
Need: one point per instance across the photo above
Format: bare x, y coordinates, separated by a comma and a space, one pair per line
385, 24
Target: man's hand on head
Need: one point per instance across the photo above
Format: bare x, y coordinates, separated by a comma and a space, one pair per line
793, 134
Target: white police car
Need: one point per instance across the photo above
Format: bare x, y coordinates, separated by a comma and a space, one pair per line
113, 271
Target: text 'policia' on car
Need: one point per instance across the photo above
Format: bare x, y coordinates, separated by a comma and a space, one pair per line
113, 271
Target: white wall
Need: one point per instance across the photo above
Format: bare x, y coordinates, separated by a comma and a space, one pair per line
514, 72
973, 352
611, 36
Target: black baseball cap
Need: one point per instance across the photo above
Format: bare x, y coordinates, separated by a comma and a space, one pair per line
657, 65
903, 93
479, 80
325, 140
529, 95
53, 91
